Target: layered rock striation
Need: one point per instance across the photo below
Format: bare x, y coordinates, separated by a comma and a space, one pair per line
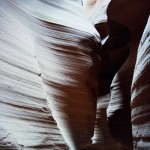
140, 104
60, 63
67, 85
26, 121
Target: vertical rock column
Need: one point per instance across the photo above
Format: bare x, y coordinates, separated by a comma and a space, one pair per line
140, 94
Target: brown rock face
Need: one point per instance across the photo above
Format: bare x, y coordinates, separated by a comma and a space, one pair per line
140, 94
125, 25
118, 111
119, 108
97, 15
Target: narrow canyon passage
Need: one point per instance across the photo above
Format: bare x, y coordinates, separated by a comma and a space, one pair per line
74, 75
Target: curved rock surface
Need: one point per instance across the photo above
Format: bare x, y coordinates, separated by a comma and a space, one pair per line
112, 59
66, 52
140, 104
25, 118
96, 10
54, 65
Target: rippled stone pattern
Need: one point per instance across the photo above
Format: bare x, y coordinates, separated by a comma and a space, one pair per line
140, 94
25, 118
49, 60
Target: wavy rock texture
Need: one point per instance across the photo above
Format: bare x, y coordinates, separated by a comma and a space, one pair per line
25, 118
66, 51
140, 89
96, 11
50, 71
131, 16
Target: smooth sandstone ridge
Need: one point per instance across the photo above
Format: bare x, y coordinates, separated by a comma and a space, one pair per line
49, 60
74, 74
26, 121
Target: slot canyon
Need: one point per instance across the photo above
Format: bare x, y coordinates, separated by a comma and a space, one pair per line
74, 74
